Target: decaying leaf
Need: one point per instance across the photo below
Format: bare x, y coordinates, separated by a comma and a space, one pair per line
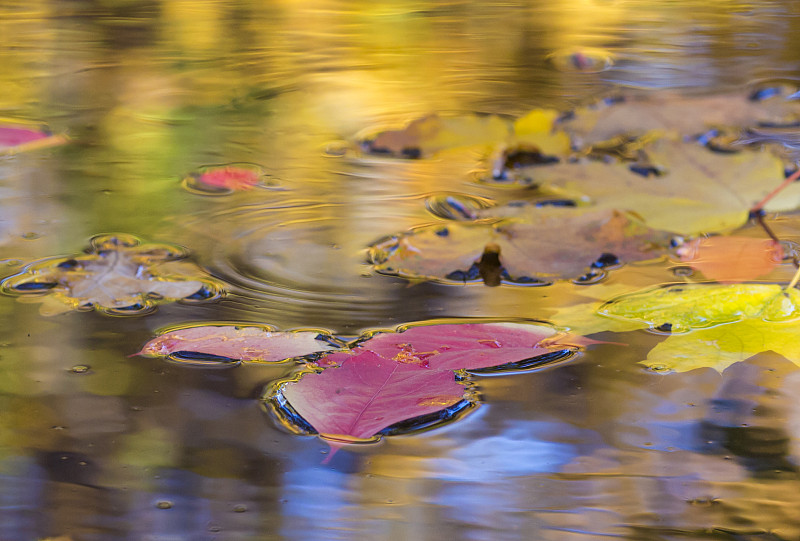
684, 307
238, 342
684, 187
433, 133
368, 393
687, 115
731, 259
537, 244
117, 275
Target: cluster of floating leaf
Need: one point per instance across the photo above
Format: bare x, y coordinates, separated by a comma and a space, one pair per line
615, 181
612, 183
381, 383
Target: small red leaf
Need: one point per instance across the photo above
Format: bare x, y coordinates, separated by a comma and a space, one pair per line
230, 177
731, 260
20, 138
368, 393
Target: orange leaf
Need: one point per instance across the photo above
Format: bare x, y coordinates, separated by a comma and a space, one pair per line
731, 260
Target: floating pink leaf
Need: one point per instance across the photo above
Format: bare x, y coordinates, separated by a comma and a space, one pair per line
224, 179
368, 393
244, 343
16, 138
730, 260
469, 346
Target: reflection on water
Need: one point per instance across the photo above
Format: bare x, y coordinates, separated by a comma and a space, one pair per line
149, 92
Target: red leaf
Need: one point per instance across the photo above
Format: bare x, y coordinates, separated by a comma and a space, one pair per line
21, 138
230, 177
368, 393
731, 260
245, 343
467, 346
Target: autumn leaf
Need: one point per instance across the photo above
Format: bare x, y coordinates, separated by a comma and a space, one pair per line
369, 393
117, 275
668, 111
430, 134
692, 306
731, 259
683, 188
20, 138
238, 342
720, 346
224, 179
459, 346
537, 244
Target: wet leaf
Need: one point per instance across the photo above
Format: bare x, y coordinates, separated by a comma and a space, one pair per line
730, 259
684, 188
692, 306
19, 138
667, 111
537, 244
224, 179
238, 342
427, 135
368, 393
467, 346
117, 275
720, 346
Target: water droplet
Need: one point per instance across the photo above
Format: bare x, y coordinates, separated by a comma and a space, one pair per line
164, 504
80, 369
336, 149
239, 508
30, 235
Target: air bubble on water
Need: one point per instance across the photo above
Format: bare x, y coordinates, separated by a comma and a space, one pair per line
164, 504
31, 235
80, 369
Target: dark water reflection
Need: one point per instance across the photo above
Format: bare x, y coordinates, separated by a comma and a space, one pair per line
136, 448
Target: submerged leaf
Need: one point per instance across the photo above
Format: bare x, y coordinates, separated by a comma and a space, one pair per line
684, 188
239, 342
433, 133
117, 275
538, 244
667, 111
368, 393
688, 306
729, 259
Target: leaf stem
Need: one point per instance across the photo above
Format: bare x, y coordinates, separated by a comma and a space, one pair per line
794, 281
760, 205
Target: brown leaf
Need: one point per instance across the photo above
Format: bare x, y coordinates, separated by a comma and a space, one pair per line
538, 244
